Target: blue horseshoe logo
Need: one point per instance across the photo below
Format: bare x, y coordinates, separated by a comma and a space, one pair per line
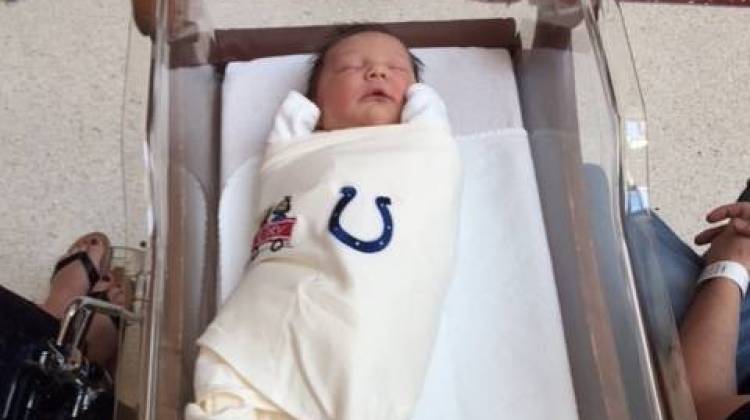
342, 235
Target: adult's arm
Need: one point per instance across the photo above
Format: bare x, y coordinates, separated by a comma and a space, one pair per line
710, 330
709, 342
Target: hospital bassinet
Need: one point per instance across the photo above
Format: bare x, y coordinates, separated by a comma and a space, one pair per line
581, 107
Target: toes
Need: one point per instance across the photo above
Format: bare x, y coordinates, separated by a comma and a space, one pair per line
95, 245
104, 284
114, 290
77, 247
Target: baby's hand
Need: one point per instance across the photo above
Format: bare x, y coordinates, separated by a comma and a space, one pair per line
296, 117
424, 104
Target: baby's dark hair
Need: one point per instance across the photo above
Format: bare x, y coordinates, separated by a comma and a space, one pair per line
341, 33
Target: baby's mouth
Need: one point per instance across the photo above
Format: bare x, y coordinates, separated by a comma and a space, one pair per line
377, 95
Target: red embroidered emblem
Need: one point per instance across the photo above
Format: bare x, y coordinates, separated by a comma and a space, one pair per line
276, 229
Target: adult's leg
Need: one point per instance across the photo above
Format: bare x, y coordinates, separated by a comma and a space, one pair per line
743, 344
678, 264
680, 267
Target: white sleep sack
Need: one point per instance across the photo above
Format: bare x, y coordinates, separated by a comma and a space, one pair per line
338, 310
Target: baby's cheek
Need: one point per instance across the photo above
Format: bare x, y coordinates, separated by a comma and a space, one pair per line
337, 107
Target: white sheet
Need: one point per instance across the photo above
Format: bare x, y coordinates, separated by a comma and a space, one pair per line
500, 350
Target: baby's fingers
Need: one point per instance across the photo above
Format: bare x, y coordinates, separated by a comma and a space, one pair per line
727, 211
708, 235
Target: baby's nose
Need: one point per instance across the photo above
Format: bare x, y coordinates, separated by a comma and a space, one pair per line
377, 72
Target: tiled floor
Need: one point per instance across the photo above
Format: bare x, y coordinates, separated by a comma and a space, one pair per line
72, 107
693, 63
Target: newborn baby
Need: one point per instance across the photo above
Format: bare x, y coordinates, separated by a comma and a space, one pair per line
338, 310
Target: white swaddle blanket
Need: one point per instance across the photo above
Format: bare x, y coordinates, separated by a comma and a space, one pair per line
500, 348
337, 314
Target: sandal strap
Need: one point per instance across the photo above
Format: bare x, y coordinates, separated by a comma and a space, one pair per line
91, 272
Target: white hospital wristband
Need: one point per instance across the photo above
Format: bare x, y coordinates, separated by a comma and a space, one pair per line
727, 269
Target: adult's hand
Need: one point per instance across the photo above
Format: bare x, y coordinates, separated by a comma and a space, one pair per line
738, 215
730, 244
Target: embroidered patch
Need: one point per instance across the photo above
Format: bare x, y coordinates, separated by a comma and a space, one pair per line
348, 239
276, 229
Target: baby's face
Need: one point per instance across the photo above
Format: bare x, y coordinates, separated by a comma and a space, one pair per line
364, 81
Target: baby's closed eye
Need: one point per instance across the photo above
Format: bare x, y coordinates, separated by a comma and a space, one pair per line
349, 65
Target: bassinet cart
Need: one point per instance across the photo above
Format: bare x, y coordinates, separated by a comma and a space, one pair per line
581, 109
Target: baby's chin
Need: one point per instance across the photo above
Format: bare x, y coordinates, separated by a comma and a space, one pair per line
379, 114
368, 115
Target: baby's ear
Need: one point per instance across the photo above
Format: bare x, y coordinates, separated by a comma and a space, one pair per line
297, 117
424, 104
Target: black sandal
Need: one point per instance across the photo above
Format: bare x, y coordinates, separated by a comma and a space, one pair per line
91, 272
93, 275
